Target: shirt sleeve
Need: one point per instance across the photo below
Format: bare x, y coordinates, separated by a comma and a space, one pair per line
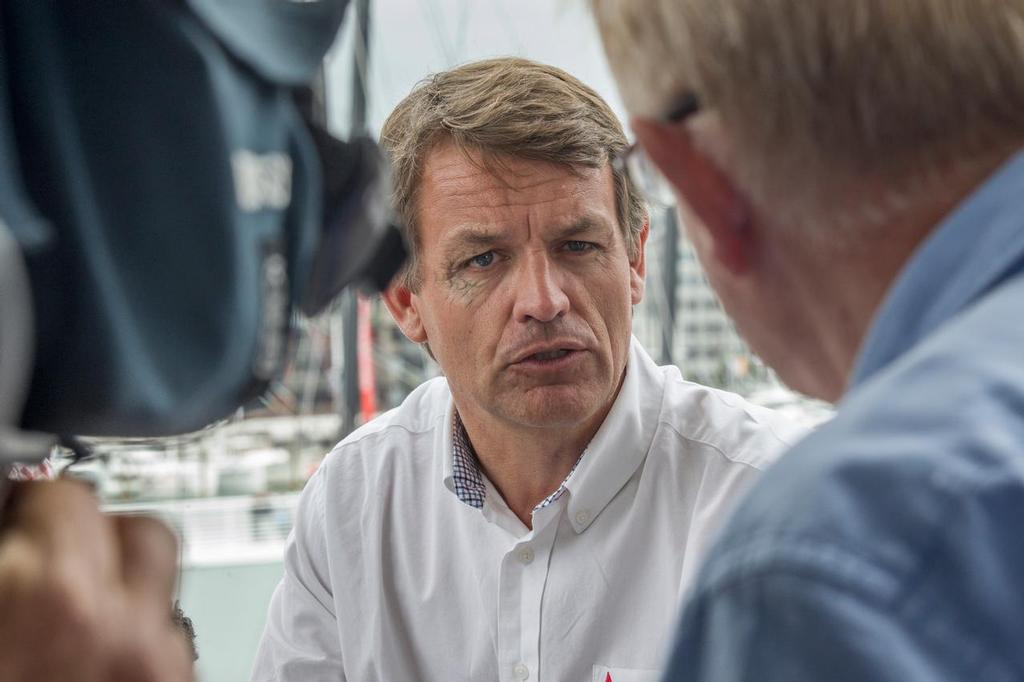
791, 627
300, 641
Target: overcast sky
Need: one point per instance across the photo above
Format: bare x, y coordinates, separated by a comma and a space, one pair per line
410, 39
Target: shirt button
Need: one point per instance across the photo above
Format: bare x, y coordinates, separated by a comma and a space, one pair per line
520, 671
583, 518
526, 555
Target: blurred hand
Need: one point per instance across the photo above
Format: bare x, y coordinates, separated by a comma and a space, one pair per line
85, 597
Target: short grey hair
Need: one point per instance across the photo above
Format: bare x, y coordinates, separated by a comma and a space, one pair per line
814, 97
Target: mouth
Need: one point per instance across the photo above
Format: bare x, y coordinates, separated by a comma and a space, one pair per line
550, 356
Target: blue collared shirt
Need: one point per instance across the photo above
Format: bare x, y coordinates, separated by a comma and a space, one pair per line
889, 544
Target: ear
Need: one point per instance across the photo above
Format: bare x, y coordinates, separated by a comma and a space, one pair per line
723, 216
403, 306
638, 265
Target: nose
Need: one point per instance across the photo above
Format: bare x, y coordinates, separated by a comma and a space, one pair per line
539, 293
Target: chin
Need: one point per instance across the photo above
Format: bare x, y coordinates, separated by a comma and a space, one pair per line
550, 408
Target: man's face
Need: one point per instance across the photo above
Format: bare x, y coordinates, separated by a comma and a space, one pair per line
527, 289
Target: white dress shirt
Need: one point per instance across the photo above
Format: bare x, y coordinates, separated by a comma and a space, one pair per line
390, 576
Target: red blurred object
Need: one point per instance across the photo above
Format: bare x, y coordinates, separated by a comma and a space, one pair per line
364, 354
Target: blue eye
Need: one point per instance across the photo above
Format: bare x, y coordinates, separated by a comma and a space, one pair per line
482, 260
577, 246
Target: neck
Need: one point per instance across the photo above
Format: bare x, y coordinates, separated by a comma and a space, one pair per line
843, 284
839, 294
526, 464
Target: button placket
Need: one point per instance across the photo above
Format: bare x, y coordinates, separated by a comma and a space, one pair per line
510, 587
535, 576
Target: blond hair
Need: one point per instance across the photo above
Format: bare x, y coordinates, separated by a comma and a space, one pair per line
816, 96
504, 107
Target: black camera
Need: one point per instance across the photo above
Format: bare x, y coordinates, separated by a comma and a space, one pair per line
168, 207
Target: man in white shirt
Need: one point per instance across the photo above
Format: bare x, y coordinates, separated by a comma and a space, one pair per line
536, 513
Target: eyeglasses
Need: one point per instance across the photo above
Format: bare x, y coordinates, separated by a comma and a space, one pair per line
635, 163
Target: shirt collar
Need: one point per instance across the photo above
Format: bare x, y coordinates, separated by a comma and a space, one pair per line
612, 457
467, 481
980, 244
621, 444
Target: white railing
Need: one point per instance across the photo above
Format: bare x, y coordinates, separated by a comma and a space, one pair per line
224, 530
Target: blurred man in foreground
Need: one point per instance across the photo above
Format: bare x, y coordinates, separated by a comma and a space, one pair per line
850, 176
535, 513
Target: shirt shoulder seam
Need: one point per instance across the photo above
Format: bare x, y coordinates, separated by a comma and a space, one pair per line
716, 393
730, 458
346, 443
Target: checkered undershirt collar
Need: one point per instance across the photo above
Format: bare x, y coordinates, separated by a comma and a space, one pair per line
467, 478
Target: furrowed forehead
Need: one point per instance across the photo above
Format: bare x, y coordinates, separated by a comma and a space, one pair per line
463, 204
476, 237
